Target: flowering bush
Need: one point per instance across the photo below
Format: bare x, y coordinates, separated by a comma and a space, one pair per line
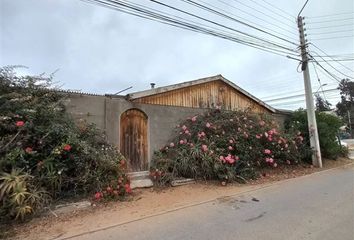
40, 140
328, 129
227, 146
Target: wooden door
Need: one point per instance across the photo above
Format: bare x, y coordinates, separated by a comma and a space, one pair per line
133, 139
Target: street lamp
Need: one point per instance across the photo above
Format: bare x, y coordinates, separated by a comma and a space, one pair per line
321, 86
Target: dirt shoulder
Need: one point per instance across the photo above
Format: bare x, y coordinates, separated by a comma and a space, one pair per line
149, 202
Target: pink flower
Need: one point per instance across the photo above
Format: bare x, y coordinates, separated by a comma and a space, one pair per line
67, 147
286, 146
184, 127
181, 142
229, 159
258, 136
194, 118
208, 125
270, 139
230, 148
28, 150
20, 123
204, 148
231, 141
127, 188
98, 195
267, 151
172, 144
186, 132
191, 145
202, 134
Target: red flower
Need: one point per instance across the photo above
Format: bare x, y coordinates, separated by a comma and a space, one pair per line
20, 123
67, 147
98, 195
128, 188
28, 150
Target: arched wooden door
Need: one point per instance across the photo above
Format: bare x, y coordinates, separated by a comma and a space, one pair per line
133, 139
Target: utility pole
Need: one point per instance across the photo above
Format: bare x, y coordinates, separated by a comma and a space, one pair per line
311, 117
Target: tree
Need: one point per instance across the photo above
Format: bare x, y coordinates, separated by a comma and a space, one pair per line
322, 105
346, 105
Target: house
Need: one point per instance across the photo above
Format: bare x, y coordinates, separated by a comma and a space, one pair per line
141, 122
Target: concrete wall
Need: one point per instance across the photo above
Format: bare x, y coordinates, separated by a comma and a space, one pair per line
105, 112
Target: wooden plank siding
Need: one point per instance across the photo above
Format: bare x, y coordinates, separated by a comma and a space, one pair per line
205, 95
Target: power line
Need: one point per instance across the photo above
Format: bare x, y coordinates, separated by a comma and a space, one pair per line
255, 16
234, 19
274, 6
333, 76
330, 15
296, 96
134, 9
352, 30
271, 10
314, 45
331, 26
333, 20
244, 19
329, 38
218, 24
332, 66
277, 20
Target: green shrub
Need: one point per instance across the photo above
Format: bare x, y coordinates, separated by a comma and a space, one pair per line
328, 127
64, 158
227, 146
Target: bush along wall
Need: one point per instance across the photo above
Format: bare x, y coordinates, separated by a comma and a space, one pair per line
45, 156
226, 146
328, 130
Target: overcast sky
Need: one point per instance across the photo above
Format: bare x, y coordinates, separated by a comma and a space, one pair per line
100, 50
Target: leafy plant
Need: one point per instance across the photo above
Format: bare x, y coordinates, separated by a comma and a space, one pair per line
19, 196
328, 127
63, 157
225, 145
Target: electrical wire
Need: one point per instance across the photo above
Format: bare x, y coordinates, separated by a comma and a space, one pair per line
147, 14
332, 26
331, 15
314, 45
281, 10
271, 10
244, 19
277, 20
236, 20
331, 66
333, 20
220, 25
330, 38
255, 16
333, 76
352, 30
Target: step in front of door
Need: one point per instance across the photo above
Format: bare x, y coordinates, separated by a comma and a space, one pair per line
140, 179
